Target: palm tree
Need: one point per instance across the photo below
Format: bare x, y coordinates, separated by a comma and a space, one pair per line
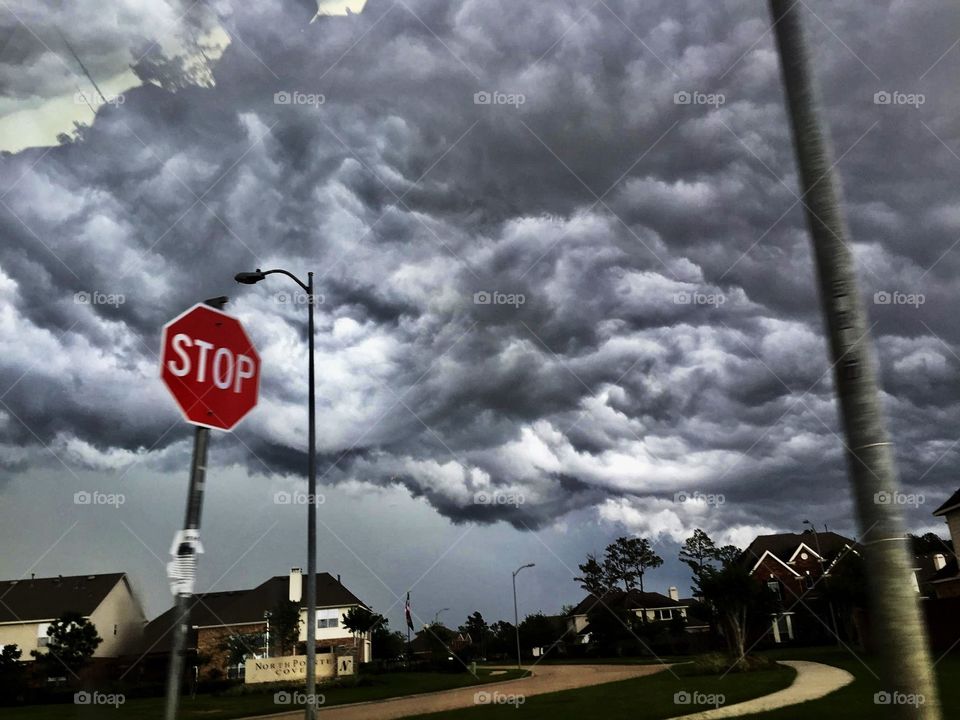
900, 635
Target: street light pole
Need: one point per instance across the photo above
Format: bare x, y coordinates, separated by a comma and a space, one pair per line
251, 278
436, 618
516, 618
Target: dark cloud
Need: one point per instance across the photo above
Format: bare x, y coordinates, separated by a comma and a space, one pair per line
652, 324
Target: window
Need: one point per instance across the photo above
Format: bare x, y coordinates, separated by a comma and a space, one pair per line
774, 587
43, 641
114, 629
328, 618
664, 614
808, 581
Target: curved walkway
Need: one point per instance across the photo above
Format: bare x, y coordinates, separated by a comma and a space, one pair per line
813, 681
547, 679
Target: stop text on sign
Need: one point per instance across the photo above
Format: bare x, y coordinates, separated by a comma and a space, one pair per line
210, 366
223, 367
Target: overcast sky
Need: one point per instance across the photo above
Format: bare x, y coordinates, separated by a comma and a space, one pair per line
616, 178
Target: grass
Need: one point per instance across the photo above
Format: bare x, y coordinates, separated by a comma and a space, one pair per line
237, 705
650, 697
856, 699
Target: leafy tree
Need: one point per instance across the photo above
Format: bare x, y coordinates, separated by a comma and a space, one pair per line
478, 630
728, 554
627, 559
285, 626
698, 551
929, 543
610, 630
502, 641
11, 670
386, 644
439, 641
701, 554
734, 596
72, 642
9, 657
593, 577
239, 647
536, 630
359, 621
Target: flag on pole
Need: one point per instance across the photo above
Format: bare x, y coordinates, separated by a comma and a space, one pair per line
406, 611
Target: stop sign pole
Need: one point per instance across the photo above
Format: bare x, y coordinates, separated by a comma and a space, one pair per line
226, 376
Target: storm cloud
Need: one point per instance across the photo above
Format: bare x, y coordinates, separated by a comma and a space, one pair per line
560, 246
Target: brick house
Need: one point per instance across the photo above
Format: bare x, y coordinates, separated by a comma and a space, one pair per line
216, 616
791, 565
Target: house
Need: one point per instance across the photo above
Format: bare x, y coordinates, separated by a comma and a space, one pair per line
216, 616
945, 581
791, 565
27, 607
652, 606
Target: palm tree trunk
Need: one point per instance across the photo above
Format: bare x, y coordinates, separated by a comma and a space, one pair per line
899, 635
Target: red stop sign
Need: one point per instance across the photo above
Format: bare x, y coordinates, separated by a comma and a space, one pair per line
210, 366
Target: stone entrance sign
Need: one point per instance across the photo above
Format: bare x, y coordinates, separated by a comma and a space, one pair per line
294, 668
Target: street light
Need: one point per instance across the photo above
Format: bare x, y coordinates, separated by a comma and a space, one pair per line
436, 618
251, 278
823, 576
516, 619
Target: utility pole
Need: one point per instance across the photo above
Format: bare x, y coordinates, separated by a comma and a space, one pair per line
899, 634
183, 569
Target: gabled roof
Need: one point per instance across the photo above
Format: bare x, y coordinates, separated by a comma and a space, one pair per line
803, 547
951, 503
39, 599
625, 600
783, 545
240, 607
769, 554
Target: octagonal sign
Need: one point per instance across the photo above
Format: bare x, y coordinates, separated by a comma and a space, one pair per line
210, 366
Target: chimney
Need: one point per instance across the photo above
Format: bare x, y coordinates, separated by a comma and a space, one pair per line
674, 595
939, 561
338, 579
296, 584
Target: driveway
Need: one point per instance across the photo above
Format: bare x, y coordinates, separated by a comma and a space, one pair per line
546, 679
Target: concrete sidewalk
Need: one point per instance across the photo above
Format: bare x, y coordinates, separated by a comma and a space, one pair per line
813, 681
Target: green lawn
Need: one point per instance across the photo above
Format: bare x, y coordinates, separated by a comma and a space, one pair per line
856, 699
650, 698
234, 706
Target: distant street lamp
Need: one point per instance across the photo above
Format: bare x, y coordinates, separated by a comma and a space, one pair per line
436, 618
252, 278
516, 619
266, 641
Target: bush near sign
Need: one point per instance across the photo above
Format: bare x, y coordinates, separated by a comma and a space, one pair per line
294, 667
